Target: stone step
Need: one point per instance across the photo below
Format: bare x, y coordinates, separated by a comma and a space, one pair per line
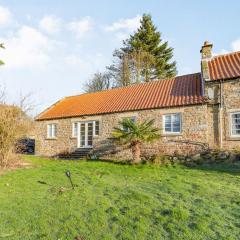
80, 153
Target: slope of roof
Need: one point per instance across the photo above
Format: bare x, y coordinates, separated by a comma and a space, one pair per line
178, 91
224, 66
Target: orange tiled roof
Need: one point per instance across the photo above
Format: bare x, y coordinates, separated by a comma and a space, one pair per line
224, 66
179, 91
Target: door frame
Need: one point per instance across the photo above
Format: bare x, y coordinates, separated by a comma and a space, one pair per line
86, 134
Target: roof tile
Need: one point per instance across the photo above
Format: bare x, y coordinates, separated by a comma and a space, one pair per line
225, 66
178, 91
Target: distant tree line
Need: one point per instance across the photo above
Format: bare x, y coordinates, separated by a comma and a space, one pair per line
144, 57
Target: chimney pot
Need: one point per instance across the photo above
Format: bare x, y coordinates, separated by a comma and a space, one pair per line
206, 50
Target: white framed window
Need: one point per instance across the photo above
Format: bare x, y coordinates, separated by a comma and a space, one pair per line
235, 124
74, 129
52, 130
172, 123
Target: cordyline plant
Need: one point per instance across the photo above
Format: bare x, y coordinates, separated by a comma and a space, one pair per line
136, 133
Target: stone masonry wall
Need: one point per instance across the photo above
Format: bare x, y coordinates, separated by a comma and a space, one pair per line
231, 92
194, 129
53, 146
231, 104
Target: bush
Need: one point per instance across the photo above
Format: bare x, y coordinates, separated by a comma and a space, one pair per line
14, 124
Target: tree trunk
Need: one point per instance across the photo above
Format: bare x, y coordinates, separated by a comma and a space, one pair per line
136, 151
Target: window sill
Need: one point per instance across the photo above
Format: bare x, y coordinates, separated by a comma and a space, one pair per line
48, 138
233, 138
171, 134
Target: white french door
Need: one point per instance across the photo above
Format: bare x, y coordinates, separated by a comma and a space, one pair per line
85, 134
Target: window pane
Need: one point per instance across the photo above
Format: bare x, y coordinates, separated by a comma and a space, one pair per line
236, 131
236, 120
90, 134
167, 127
97, 128
75, 127
176, 128
54, 130
176, 123
168, 119
176, 118
172, 123
82, 128
236, 124
49, 131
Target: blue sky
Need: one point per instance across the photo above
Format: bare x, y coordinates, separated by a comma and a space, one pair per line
53, 47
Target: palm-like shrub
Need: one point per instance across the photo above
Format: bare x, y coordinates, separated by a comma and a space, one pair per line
135, 133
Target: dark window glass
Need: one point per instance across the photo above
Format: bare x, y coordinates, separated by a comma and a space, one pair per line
97, 128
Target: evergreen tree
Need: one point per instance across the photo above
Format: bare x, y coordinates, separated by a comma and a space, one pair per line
148, 39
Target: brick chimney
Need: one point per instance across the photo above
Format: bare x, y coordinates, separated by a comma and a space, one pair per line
206, 52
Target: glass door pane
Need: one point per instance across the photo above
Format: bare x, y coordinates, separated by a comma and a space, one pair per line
90, 134
82, 135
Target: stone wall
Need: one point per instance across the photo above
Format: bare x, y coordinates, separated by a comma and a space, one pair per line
200, 124
194, 129
231, 103
231, 90
53, 146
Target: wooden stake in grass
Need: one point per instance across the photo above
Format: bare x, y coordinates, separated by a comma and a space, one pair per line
68, 174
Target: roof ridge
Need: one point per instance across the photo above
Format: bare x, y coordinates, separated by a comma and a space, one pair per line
133, 85
225, 54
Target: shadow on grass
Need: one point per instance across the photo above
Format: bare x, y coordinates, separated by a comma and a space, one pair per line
120, 162
231, 168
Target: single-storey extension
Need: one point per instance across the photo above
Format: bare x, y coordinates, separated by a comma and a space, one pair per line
193, 111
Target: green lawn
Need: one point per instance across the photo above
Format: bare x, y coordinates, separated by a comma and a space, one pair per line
113, 201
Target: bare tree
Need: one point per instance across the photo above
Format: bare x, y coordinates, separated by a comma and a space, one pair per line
132, 67
120, 69
26, 103
2, 95
3, 47
142, 65
99, 82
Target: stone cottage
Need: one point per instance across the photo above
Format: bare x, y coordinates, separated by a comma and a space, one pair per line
193, 111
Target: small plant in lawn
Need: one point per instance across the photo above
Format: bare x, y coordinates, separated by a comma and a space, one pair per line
136, 133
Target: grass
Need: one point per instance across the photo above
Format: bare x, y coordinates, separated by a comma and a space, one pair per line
114, 201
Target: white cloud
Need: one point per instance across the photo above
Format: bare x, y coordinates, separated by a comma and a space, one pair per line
50, 24
236, 45
81, 27
127, 24
5, 16
27, 48
89, 62
73, 60
221, 52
